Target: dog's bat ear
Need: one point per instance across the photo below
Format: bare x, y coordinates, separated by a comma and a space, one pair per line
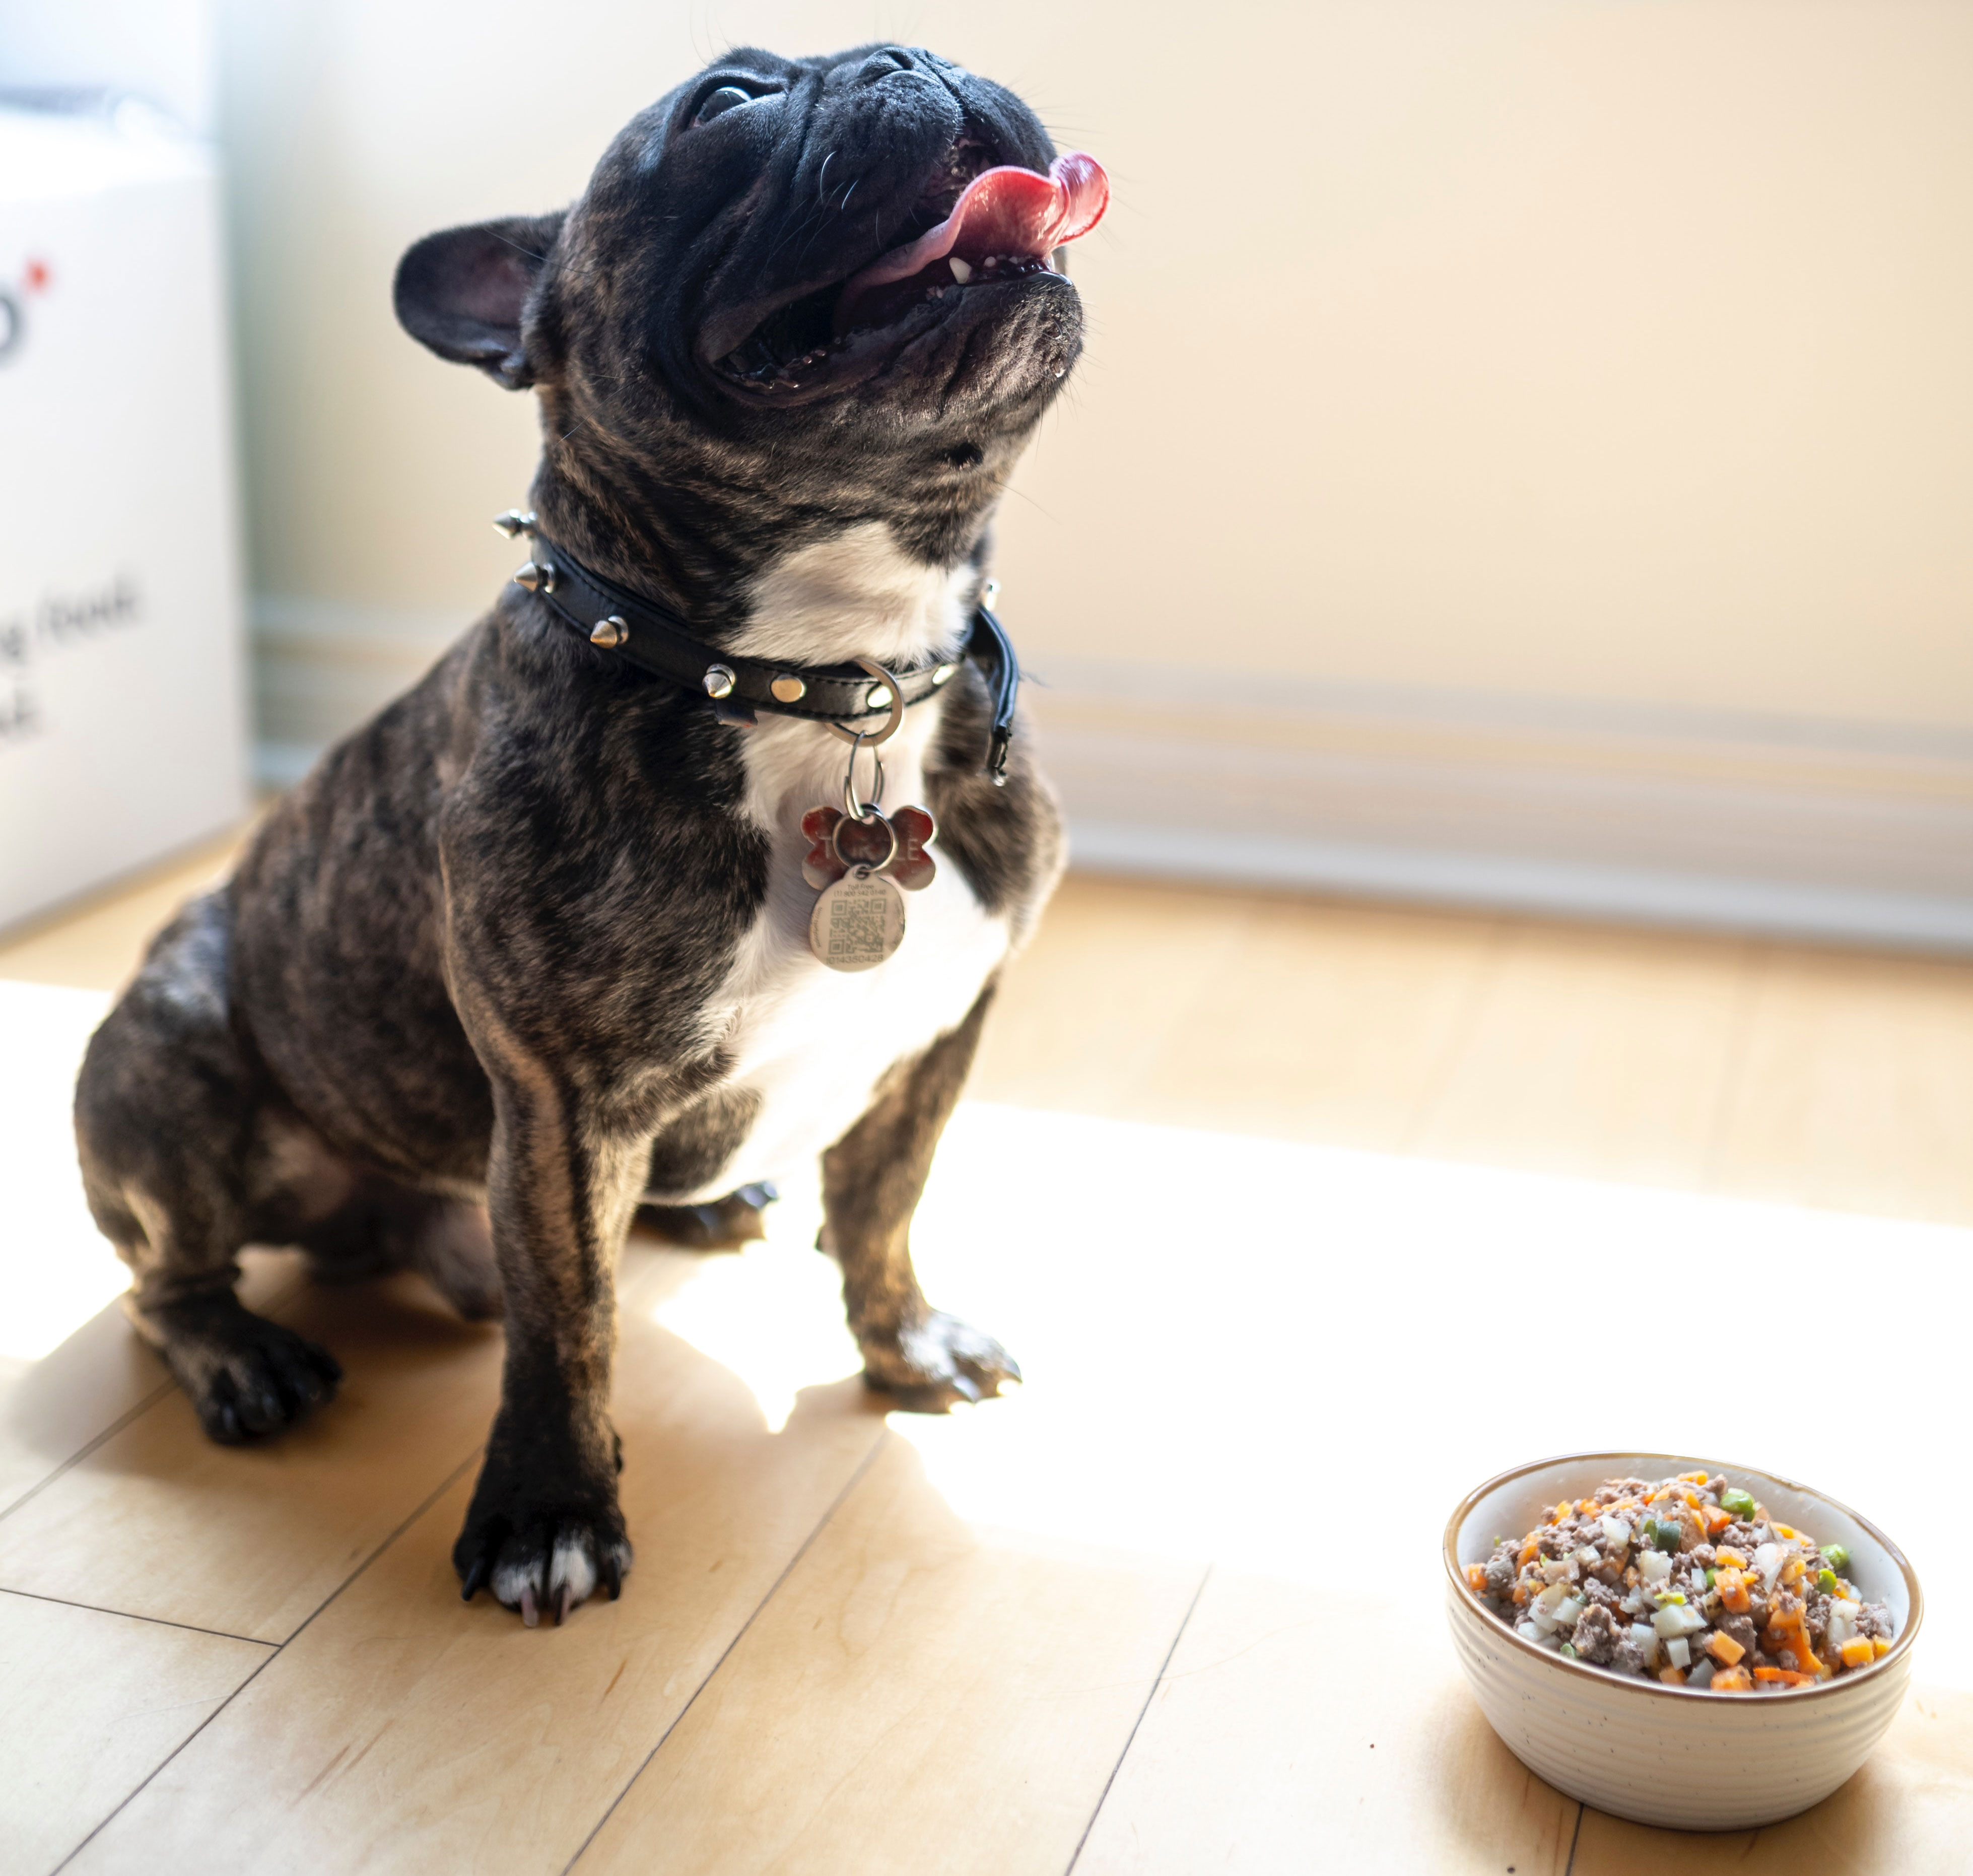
464, 292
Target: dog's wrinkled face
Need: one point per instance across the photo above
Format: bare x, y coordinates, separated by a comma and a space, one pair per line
794, 259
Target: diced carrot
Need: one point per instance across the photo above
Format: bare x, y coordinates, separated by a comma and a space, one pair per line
1728, 1557
1784, 1677
1857, 1652
1733, 1588
1733, 1681
1476, 1578
1672, 1677
1724, 1649
1791, 1571
1883, 1647
1790, 1631
1693, 1478
1783, 1530
1715, 1519
1561, 1511
1530, 1551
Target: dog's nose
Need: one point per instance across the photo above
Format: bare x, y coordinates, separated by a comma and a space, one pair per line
881, 64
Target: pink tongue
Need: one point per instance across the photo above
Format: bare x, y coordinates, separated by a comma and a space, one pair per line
1003, 212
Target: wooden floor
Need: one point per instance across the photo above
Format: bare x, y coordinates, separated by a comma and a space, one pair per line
1262, 1191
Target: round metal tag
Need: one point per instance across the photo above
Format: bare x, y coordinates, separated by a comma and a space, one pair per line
858, 922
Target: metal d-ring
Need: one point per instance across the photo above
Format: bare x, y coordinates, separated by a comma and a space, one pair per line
890, 729
854, 810
870, 813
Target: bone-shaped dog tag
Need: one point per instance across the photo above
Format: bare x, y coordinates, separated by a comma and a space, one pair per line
858, 922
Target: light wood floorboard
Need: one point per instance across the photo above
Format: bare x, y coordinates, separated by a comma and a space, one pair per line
94, 1703
404, 1731
920, 1694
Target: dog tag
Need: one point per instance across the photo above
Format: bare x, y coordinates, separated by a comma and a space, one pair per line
858, 922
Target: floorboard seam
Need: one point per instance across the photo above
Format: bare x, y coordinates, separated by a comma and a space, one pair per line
126, 1615
75, 1459
274, 1654
821, 1524
1570, 1870
1158, 1681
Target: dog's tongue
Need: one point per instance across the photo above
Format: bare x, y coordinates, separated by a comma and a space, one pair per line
1004, 212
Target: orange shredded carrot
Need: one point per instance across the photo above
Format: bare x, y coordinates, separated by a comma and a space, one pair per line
1724, 1649
1733, 1594
1734, 1680
1476, 1578
1858, 1652
1783, 1531
1530, 1551
1691, 1478
1883, 1647
1730, 1558
1672, 1677
1715, 1519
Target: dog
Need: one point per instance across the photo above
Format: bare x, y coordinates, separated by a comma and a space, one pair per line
539, 944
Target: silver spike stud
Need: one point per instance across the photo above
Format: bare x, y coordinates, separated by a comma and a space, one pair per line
609, 633
718, 681
514, 521
529, 575
788, 689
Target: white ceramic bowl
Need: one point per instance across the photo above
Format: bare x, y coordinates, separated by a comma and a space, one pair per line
1671, 1755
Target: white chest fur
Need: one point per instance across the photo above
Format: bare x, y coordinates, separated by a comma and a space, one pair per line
811, 1042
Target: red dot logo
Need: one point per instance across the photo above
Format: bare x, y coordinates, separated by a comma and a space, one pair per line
34, 276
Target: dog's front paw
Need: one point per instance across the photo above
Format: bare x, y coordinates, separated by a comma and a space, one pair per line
545, 1549
247, 1377
927, 1365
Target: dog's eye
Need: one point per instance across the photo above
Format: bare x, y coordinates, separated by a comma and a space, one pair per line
723, 99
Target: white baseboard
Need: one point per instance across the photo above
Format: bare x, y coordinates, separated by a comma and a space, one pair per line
1853, 833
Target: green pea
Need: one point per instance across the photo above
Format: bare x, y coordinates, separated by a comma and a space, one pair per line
1712, 1577
1826, 1581
1568, 1651
1836, 1556
1741, 1504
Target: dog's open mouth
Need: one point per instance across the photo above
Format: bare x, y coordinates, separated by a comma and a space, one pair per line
974, 227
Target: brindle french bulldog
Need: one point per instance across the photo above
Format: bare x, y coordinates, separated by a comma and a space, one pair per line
532, 947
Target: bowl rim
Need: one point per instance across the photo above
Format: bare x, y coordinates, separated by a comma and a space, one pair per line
1449, 1557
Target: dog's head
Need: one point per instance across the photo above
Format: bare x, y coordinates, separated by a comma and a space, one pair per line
793, 293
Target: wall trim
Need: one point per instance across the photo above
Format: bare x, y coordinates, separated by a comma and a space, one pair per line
1848, 832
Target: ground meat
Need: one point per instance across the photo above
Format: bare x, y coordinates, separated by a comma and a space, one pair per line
1556, 1540
1596, 1635
1785, 1657
1818, 1619
1629, 1658
1740, 1628
1499, 1574
1757, 1607
1600, 1594
1874, 1619
1738, 1536
1716, 1485
1704, 1555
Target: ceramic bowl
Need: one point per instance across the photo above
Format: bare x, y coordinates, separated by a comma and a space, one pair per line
1671, 1755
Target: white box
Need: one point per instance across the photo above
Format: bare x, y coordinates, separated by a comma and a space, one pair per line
123, 692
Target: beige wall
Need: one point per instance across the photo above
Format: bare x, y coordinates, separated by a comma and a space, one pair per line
1601, 352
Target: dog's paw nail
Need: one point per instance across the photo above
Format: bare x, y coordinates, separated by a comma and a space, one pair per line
964, 1386
475, 1579
530, 1614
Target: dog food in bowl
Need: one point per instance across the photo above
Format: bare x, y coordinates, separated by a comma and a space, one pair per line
1690, 1581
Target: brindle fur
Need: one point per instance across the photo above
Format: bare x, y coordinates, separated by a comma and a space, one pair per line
462, 973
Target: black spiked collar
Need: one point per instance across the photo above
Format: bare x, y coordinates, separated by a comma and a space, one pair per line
659, 643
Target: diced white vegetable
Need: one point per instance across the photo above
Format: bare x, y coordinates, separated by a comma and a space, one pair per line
1646, 1637
1616, 1532
1843, 1614
1702, 1675
1588, 1556
1527, 1630
1768, 1560
1556, 1569
1678, 1652
1635, 1603
1654, 1566
1551, 1599
1567, 1614
1678, 1618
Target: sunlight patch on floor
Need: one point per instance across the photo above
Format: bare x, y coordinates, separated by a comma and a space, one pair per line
58, 1268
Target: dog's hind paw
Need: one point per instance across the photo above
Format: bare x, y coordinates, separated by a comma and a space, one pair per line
927, 1365
545, 1565
247, 1377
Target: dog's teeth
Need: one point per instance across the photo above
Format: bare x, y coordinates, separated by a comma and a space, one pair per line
960, 271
